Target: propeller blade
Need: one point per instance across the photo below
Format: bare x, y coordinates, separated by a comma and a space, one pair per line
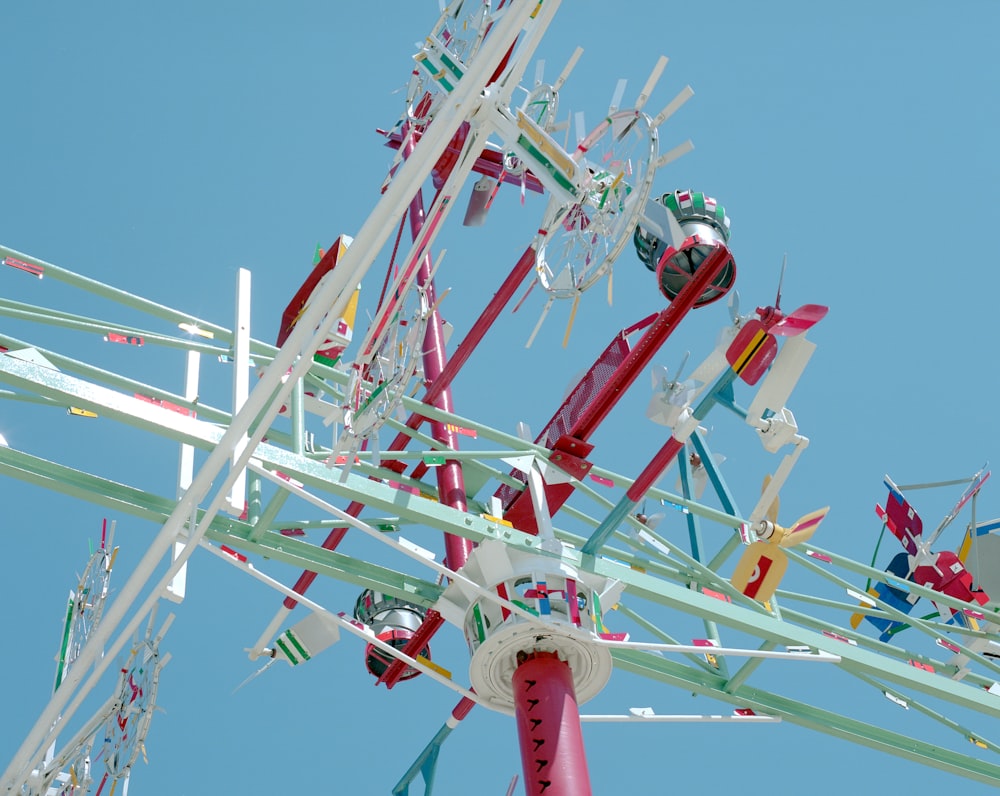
567, 69
616, 98
804, 528
541, 318
654, 77
673, 154
734, 305
760, 570
581, 127
673, 106
669, 397
699, 477
784, 375
654, 519
945, 573
781, 280
689, 391
572, 318
805, 317
902, 520
660, 221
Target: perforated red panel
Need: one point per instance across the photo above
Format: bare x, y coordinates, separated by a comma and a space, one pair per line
581, 396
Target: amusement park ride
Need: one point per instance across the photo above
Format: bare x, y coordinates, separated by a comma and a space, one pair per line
357, 420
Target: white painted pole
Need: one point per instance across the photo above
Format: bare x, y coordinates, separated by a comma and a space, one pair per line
185, 474
241, 383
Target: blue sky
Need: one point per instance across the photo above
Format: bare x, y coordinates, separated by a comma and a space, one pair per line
161, 150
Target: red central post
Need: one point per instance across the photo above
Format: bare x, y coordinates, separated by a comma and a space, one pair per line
548, 727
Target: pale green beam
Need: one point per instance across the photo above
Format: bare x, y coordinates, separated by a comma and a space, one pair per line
382, 498
684, 571
253, 497
766, 627
868, 642
665, 637
123, 297
266, 520
629, 558
809, 716
516, 443
101, 327
386, 523
114, 380
72, 391
330, 563
10, 395
659, 564
737, 680
641, 585
71, 365
935, 630
259, 348
961, 729
881, 576
731, 544
882, 648
649, 554
696, 569
80, 323
224, 530
262, 352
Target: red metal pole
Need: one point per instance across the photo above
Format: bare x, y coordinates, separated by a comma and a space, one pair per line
471, 340
436, 388
548, 727
649, 344
451, 484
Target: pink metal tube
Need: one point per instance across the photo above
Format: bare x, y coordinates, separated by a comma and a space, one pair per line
548, 727
451, 483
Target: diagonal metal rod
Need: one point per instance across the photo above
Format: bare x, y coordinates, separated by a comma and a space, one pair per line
264, 402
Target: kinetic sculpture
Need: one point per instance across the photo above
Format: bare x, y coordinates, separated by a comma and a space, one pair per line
539, 563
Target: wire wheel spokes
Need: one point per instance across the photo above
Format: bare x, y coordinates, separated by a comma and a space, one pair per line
580, 241
91, 594
378, 386
542, 105
463, 27
126, 730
